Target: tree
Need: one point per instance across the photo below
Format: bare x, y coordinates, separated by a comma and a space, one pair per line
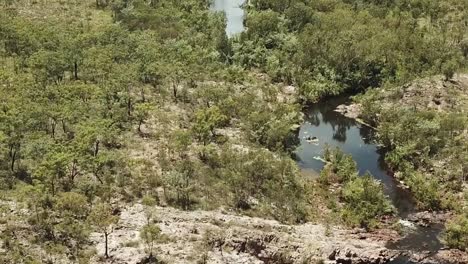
102, 219
142, 113
148, 202
425, 188
206, 121
364, 201
182, 180
149, 233
73, 209
456, 232
449, 68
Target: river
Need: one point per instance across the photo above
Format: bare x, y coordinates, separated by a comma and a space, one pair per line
234, 15
332, 128
351, 137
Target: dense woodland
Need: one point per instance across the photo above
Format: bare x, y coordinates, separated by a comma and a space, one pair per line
109, 102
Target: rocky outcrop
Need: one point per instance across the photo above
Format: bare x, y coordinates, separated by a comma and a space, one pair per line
351, 111
427, 218
436, 93
220, 237
347, 256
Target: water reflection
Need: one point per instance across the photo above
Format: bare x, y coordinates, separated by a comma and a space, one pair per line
336, 130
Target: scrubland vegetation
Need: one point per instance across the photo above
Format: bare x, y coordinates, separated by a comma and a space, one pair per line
103, 103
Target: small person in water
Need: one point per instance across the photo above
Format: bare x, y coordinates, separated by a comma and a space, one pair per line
311, 139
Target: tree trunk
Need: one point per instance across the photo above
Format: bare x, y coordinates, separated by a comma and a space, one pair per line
143, 97
53, 125
106, 244
12, 154
73, 171
64, 127
174, 89
97, 177
139, 125
75, 71
129, 106
96, 148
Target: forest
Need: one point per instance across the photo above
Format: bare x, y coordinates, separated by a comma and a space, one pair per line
109, 103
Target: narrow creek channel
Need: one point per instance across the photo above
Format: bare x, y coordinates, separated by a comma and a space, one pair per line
351, 137
332, 128
234, 15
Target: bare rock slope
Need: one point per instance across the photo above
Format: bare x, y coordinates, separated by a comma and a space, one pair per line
216, 237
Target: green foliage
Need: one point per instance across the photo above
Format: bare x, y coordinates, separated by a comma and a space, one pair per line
456, 233
150, 233
415, 139
207, 121
102, 219
77, 78
273, 128
364, 201
352, 45
142, 113
73, 209
259, 176
426, 190
423, 130
341, 167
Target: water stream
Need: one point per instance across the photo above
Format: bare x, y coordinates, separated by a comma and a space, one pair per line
336, 130
351, 137
234, 15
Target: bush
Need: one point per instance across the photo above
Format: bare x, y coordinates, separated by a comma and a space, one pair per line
425, 189
341, 168
365, 201
456, 232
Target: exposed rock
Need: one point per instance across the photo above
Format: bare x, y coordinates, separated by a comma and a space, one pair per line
407, 224
435, 93
427, 218
351, 111
289, 90
227, 238
287, 94
347, 256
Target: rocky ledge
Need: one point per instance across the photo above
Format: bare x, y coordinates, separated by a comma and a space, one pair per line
220, 237
223, 237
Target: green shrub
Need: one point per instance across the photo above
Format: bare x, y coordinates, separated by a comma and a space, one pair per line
364, 201
425, 189
341, 167
456, 232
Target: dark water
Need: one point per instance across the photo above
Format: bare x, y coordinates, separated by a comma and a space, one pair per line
234, 14
353, 138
